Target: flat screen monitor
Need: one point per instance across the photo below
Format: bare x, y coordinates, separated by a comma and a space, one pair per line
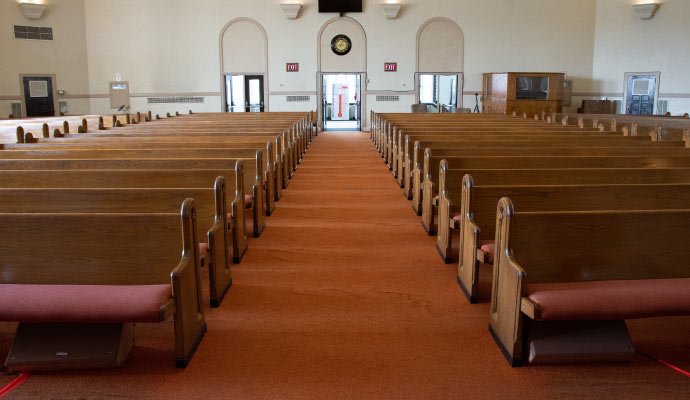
340, 6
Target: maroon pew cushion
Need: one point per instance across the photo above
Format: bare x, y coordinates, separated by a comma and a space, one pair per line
488, 247
82, 303
611, 300
248, 201
203, 249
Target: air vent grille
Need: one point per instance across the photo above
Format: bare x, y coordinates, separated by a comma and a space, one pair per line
387, 98
38, 89
175, 99
297, 99
33, 32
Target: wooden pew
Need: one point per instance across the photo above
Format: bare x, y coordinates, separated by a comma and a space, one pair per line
401, 155
563, 280
418, 163
575, 176
254, 179
275, 159
429, 184
449, 180
410, 162
211, 214
131, 178
131, 268
449, 199
476, 221
272, 178
281, 151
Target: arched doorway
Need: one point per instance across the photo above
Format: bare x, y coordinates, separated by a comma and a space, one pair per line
341, 77
439, 65
244, 66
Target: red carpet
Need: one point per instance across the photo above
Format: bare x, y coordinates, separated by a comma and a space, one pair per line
344, 296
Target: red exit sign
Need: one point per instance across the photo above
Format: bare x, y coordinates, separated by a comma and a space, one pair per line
292, 67
390, 67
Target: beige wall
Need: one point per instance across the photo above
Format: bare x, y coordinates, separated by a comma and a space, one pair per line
172, 47
179, 41
64, 57
624, 43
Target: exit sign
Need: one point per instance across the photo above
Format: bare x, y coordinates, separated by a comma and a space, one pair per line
390, 67
292, 67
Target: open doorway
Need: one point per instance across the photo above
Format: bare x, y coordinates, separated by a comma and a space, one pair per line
641, 92
341, 102
38, 95
439, 92
244, 93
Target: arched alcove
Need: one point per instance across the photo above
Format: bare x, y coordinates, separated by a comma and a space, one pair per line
243, 51
354, 62
440, 46
440, 50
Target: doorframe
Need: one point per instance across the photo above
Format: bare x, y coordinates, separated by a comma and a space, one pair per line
657, 74
362, 94
460, 87
53, 77
224, 96
223, 73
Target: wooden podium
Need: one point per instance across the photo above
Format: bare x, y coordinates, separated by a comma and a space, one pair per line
523, 92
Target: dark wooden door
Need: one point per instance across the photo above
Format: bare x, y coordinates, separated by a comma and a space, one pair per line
38, 95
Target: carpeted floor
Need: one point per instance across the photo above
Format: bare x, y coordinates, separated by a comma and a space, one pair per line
344, 296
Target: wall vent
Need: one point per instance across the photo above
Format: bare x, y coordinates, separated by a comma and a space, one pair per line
387, 98
33, 32
38, 88
663, 107
17, 110
297, 99
175, 99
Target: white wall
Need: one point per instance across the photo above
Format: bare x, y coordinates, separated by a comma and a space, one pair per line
65, 56
625, 43
172, 46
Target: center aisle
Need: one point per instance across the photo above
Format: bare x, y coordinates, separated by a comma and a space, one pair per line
343, 297
347, 295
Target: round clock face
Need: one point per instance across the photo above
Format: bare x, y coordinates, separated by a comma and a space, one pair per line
341, 45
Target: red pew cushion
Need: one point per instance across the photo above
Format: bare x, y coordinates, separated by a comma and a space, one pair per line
611, 300
82, 303
488, 247
203, 249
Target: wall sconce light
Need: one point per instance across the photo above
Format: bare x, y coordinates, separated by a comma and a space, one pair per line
391, 10
291, 10
32, 9
645, 11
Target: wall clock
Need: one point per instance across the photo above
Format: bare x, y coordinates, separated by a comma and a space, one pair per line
341, 45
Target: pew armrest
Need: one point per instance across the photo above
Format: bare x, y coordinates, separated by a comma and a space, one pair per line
190, 323
529, 307
218, 262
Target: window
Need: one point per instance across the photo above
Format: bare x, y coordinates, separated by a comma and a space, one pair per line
532, 87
